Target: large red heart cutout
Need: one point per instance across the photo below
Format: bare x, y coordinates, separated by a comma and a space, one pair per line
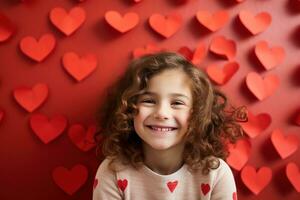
47, 130
262, 88
213, 21
70, 180
222, 75
165, 25
269, 57
67, 23
284, 145
79, 67
293, 174
223, 47
31, 99
256, 124
256, 181
7, 28
83, 139
255, 24
239, 154
172, 185
122, 24
199, 53
38, 50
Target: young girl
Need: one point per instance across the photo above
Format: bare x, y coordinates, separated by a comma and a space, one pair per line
164, 134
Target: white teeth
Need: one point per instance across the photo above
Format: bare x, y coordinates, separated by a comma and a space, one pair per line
161, 129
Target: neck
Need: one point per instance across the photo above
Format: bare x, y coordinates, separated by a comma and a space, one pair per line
164, 162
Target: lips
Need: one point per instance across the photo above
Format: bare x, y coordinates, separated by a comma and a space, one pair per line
161, 128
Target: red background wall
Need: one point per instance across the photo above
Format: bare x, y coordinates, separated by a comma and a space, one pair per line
27, 164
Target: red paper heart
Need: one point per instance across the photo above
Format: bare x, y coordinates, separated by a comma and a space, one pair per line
256, 124
7, 28
224, 47
1, 115
47, 130
284, 145
31, 99
269, 57
262, 88
293, 174
256, 181
83, 139
38, 50
199, 53
222, 76
205, 188
95, 183
70, 180
165, 25
149, 49
79, 68
68, 23
122, 184
255, 24
239, 154
213, 21
122, 24
172, 185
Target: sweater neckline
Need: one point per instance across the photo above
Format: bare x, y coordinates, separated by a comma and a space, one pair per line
152, 173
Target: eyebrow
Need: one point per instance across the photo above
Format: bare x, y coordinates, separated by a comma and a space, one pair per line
172, 94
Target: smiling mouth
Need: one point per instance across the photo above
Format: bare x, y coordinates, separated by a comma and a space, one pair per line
159, 129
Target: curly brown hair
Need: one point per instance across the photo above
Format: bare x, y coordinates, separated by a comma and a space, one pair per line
212, 124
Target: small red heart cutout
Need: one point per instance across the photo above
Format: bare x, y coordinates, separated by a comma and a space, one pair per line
262, 88
222, 75
79, 67
165, 25
122, 23
70, 180
172, 185
213, 21
122, 184
199, 53
205, 188
269, 57
31, 99
7, 28
239, 154
82, 139
67, 23
223, 47
256, 181
284, 145
293, 174
255, 24
38, 50
47, 130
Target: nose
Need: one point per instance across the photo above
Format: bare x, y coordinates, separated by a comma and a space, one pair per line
162, 112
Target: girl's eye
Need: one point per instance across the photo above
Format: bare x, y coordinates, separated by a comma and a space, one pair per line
147, 101
178, 103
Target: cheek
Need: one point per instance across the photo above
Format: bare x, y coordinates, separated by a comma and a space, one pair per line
142, 115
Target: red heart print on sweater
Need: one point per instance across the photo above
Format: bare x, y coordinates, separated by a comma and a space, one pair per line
234, 196
172, 185
205, 188
122, 184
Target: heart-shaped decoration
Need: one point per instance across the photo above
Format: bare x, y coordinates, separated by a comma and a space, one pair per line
67, 23
262, 87
7, 28
165, 25
223, 47
234, 196
172, 185
213, 21
1, 115
255, 24
31, 99
199, 53
269, 57
222, 75
186, 52
47, 130
83, 139
256, 124
148, 49
284, 145
38, 50
79, 67
122, 24
256, 181
122, 184
293, 174
70, 180
239, 154
205, 188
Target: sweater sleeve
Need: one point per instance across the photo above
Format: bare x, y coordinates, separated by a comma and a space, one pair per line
105, 186
224, 188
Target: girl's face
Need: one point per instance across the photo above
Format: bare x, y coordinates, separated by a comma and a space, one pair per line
164, 110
